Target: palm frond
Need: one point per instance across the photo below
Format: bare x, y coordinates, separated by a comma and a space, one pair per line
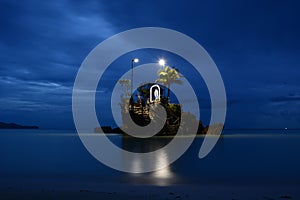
168, 76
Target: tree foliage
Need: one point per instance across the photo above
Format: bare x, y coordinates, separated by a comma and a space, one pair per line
168, 76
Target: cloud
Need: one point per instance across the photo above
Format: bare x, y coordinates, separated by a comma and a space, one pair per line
286, 99
39, 32
42, 46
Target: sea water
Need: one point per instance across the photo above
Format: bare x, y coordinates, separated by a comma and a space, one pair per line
240, 157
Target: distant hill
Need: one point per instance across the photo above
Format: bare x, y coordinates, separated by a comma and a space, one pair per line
15, 126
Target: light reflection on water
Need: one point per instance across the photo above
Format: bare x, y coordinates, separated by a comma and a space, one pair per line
142, 145
163, 176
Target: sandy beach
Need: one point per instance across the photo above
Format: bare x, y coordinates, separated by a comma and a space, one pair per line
78, 189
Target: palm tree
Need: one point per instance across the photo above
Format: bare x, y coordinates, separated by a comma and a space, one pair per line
168, 76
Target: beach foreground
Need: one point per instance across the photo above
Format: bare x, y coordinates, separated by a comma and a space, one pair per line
78, 189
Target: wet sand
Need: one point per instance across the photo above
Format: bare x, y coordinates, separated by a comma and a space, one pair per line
49, 188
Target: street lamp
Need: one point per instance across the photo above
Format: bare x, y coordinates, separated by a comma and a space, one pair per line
135, 60
162, 62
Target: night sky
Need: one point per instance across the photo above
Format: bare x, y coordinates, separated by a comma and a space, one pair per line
255, 44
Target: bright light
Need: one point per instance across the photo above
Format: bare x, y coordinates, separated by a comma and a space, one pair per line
136, 60
162, 62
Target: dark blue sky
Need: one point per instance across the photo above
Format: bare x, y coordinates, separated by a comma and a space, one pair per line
255, 44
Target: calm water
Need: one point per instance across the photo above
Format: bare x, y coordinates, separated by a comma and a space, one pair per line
260, 157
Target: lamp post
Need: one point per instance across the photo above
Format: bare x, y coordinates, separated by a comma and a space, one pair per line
135, 60
162, 63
